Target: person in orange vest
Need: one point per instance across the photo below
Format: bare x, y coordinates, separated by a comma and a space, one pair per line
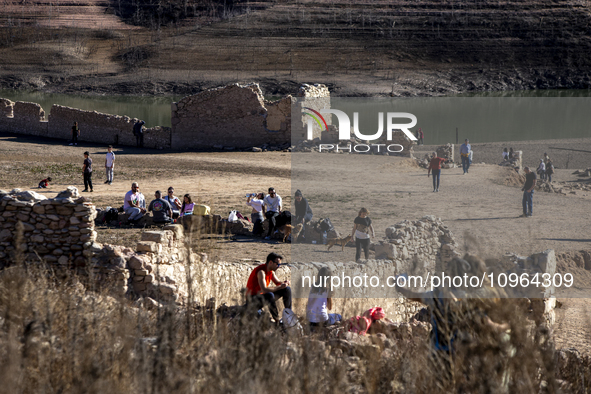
258, 291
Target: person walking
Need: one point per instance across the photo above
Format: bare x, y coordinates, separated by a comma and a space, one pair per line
361, 229
420, 136
465, 149
138, 131
87, 171
75, 134
528, 192
541, 171
435, 167
109, 164
549, 170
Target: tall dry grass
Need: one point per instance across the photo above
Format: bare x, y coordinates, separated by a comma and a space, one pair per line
58, 335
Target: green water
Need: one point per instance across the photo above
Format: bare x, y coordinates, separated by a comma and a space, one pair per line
517, 116
155, 111
481, 117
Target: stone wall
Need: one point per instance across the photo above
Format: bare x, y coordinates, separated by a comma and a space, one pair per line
6, 108
316, 97
232, 116
103, 128
60, 232
26, 118
235, 116
57, 231
426, 241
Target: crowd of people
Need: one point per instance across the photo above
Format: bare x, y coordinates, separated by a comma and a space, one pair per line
165, 209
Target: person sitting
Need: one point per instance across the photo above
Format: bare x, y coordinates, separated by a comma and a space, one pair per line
134, 203
45, 183
188, 205
174, 202
161, 209
259, 293
272, 208
505, 154
258, 210
511, 154
319, 303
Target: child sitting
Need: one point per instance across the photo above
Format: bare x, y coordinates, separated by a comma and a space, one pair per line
44, 183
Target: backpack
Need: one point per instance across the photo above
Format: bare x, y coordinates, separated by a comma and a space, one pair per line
291, 323
111, 215
325, 225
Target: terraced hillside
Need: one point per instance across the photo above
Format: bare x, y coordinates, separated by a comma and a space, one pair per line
358, 47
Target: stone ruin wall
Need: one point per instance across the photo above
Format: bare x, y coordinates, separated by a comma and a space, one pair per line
29, 119
316, 97
61, 232
235, 116
232, 116
58, 231
103, 128
25, 118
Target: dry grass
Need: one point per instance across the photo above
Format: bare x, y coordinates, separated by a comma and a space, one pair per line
57, 336
60, 334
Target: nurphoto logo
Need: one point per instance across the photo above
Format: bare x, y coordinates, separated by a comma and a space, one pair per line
344, 129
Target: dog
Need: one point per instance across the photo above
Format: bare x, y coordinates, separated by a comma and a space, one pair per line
286, 230
338, 241
296, 231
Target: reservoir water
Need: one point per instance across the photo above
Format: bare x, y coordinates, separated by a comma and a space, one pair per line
481, 117
155, 111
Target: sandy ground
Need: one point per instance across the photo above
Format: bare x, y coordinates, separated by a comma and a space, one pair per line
480, 208
565, 153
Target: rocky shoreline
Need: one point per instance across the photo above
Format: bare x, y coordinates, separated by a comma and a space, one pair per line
426, 82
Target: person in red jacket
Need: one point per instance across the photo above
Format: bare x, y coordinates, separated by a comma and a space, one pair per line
45, 183
435, 166
258, 291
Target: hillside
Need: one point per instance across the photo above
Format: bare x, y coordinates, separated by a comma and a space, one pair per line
357, 47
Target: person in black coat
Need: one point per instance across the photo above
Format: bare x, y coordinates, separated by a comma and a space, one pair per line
303, 212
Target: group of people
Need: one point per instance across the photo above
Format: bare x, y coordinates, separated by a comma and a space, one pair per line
508, 154
165, 209
260, 292
87, 169
268, 206
545, 168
